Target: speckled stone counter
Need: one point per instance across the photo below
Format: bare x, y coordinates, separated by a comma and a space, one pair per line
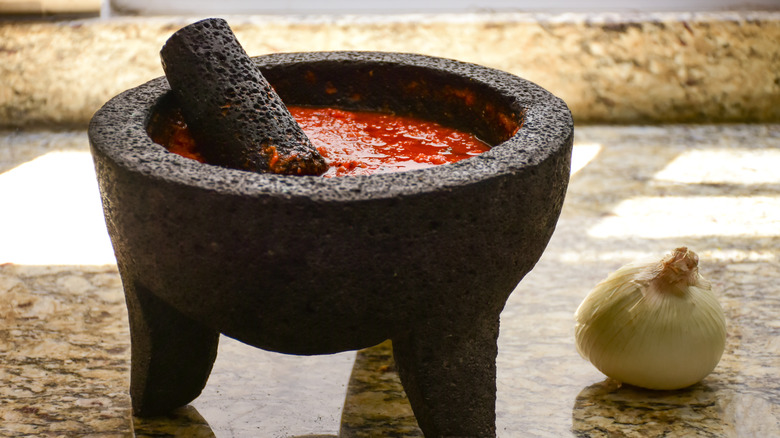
636, 192
609, 68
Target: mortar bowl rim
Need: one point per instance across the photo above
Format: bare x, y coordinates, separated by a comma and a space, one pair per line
119, 131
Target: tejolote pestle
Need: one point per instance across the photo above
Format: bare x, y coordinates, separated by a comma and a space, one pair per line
234, 115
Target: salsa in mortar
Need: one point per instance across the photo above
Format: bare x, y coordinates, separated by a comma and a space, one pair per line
363, 142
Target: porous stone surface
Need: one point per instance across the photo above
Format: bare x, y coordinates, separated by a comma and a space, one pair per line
613, 68
232, 112
426, 258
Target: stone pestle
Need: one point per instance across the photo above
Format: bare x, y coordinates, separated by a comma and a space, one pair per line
233, 113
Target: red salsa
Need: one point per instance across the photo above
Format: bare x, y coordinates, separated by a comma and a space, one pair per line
362, 143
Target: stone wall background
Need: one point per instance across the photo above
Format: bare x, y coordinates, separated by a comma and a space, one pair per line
610, 68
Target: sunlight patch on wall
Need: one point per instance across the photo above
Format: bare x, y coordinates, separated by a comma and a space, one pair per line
52, 213
679, 216
582, 154
721, 255
718, 166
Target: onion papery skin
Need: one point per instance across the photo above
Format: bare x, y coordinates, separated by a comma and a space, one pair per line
656, 337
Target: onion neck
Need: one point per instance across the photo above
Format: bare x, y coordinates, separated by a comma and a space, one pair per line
676, 272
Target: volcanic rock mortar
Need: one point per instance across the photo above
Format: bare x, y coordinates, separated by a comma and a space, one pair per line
312, 265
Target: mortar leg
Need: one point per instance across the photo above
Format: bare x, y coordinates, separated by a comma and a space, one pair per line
172, 355
449, 375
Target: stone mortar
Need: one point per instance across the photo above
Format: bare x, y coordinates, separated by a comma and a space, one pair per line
311, 265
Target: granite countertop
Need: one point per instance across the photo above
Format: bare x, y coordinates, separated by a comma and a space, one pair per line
635, 192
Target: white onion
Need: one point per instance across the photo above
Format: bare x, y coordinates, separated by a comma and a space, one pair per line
656, 326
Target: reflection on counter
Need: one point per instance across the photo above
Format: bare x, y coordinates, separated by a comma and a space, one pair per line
183, 422
376, 403
608, 408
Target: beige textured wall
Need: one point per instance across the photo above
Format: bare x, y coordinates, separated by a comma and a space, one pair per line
48, 6
646, 68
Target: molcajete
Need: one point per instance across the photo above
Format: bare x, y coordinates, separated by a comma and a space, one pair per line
310, 265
